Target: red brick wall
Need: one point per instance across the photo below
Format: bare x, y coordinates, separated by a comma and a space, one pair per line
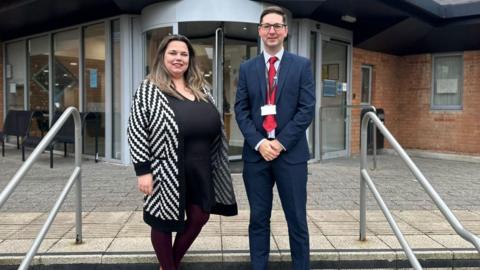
385, 80
443, 131
403, 87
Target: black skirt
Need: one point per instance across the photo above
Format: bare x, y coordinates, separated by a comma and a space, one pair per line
199, 124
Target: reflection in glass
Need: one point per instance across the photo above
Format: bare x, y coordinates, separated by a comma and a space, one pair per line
15, 75
94, 85
366, 84
313, 58
153, 39
65, 70
239, 44
334, 71
38, 53
204, 53
236, 52
38, 73
116, 91
448, 81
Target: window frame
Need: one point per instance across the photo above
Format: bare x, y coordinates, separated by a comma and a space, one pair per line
370, 77
459, 107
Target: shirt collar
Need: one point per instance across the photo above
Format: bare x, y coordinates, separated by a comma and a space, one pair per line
279, 55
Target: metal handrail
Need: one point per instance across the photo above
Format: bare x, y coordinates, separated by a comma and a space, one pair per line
74, 177
365, 179
374, 129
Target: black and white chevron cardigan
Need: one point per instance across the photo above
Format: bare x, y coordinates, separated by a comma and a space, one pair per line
156, 147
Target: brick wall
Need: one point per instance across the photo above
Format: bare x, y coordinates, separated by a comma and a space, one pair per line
385, 80
403, 87
443, 131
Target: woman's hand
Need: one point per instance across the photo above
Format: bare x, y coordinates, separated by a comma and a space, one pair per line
145, 184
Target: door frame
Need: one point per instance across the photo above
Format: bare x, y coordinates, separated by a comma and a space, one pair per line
347, 118
300, 43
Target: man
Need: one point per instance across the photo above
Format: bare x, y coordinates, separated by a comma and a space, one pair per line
274, 106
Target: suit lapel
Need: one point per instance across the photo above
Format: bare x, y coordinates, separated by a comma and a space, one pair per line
282, 77
261, 76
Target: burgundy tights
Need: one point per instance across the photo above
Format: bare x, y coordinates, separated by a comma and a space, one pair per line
170, 256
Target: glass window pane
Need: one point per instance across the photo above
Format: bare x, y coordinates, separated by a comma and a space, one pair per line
65, 70
38, 53
313, 58
15, 75
38, 75
94, 84
448, 80
334, 99
116, 91
235, 50
366, 85
153, 38
235, 53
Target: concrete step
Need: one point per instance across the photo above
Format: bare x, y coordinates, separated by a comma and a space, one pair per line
346, 259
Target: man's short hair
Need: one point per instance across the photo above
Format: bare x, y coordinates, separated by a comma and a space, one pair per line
276, 10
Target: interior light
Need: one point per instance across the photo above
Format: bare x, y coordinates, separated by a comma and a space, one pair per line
348, 18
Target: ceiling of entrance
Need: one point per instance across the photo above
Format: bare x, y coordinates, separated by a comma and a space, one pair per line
392, 26
398, 26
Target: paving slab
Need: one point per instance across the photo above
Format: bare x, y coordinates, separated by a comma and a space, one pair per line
352, 242
11, 218
31, 231
415, 242
135, 230
96, 245
451, 241
114, 231
208, 244
137, 244
22, 246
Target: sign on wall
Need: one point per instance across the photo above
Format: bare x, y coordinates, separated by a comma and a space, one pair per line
447, 86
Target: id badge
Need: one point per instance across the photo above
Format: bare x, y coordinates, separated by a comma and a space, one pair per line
269, 110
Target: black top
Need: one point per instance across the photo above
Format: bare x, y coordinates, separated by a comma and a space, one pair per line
199, 124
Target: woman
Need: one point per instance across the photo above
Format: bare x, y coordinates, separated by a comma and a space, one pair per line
179, 151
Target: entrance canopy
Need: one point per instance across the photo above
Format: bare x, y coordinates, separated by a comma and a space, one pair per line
398, 27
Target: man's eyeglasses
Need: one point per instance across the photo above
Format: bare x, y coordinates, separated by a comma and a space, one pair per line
267, 26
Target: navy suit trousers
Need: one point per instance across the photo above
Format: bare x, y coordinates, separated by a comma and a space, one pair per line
291, 180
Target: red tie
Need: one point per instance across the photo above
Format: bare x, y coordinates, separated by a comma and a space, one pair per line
269, 122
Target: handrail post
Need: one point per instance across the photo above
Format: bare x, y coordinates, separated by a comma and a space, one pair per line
365, 179
363, 184
374, 146
75, 177
78, 163
447, 213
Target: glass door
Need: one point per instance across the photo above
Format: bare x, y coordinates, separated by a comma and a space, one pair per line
221, 47
333, 110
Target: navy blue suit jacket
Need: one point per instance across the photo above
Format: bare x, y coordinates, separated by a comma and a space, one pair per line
295, 101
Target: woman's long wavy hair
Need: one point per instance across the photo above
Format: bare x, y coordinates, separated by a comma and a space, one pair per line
160, 76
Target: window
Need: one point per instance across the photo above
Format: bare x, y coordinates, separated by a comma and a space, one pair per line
447, 82
65, 69
116, 91
38, 54
15, 75
366, 85
94, 86
154, 37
